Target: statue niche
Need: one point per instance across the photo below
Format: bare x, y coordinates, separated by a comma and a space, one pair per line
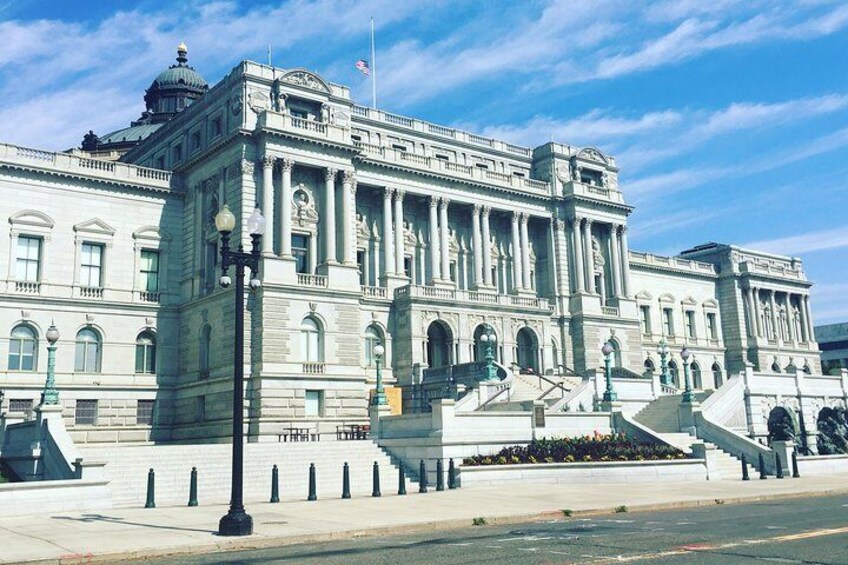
782, 424
832, 426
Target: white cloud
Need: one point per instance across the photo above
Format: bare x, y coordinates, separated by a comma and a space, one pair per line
809, 242
829, 303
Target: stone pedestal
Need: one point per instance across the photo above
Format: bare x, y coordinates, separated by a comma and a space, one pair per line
709, 454
686, 417
375, 413
610, 406
281, 270
784, 450
342, 277
391, 282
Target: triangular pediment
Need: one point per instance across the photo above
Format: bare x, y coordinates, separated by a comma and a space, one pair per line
95, 225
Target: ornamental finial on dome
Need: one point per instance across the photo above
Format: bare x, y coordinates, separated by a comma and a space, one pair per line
182, 51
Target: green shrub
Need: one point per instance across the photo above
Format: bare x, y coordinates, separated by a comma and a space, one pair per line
478, 521
597, 447
620, 509
567, 513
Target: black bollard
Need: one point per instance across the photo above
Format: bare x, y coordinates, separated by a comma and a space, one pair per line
401, 480
440, 475
375, 492
779, 464
346, 481
745, 476
312, 494
451, 475
192, 488
422, 477
762, 467
795, 473
151, 485
275, 484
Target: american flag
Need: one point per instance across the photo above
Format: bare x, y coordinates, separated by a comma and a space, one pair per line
363, 67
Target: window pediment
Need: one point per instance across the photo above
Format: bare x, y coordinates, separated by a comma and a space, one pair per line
32, 218
95, 226
306, 79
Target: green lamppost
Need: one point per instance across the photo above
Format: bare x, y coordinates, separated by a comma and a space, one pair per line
380, 393
489, 340
686, 355
50, 395
609, 393
662, 351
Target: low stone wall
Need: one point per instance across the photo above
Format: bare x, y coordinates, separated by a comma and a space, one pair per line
18, 499
612, 472
823, 465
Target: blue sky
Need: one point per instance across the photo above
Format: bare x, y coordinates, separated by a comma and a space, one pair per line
729, 119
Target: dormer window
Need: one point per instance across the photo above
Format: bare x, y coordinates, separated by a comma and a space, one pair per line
590, 177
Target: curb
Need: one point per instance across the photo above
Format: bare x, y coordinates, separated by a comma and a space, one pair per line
253, 543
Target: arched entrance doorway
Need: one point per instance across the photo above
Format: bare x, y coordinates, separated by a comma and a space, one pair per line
528, 349
479, 350
439, 345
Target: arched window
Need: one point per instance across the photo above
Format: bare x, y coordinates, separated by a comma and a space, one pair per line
205, 351
527, 346
373, 337
145, 353
717, 376
439, 345
23, 346
88, 347
649, 368
311, 346
672, 371
479, 349
615, 357
696, 376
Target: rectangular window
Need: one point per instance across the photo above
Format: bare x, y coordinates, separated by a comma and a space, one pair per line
149, 270
300, 250
483, 166
91, 265
645, 314
407, 267
356, 138
86, 413
441, 157
298, 113
690, 324
211, 265
314, 403
216, 127
177, 153
195, 141
668, 322
712, 330
200, 409
452, 269
20, 406
28, 258
160, 162
144, 412
401, 148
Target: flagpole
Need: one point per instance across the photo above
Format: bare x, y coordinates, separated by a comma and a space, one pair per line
373, 68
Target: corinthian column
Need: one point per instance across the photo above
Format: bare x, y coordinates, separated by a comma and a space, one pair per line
399, 251
475, 242
616, 261
516, 254
329, 223
388, 243
487, 249
443, 242
802, 309
268, 203
625, 262
525, 253
434, 239
589, 255
285, 209
810, 332
348, 207
577, 247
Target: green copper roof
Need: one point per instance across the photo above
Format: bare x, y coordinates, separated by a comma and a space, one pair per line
132, 133
180, 76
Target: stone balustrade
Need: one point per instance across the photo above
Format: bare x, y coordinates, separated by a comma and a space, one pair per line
469, 296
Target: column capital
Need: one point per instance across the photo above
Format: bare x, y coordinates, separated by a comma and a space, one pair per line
559, 224
399, 194
286, 165
515, 216
524, 217
268, 161
588, 222
388, 192
348, 176
477, 209
444, 201
353, 186
486, 210
330, 174
434, 201
622, 228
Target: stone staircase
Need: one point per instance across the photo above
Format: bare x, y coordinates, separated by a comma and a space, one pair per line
662, 418
527, 388
128, 465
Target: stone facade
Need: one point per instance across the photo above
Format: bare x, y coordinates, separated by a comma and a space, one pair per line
379, 227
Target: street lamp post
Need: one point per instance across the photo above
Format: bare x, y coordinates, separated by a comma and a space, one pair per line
609, 394
489, 340
50, 395
686, 355
380, 392
237, 522
662, 351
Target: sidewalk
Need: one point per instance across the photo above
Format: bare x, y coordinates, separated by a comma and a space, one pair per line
137, 532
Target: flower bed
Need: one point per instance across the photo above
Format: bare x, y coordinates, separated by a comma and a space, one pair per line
598, 447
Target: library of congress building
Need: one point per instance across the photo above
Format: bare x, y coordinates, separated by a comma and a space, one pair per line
380, 228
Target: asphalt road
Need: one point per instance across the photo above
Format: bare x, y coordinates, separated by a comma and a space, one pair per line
809, 531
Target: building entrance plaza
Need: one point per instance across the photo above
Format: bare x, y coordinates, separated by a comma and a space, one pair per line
380, 229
